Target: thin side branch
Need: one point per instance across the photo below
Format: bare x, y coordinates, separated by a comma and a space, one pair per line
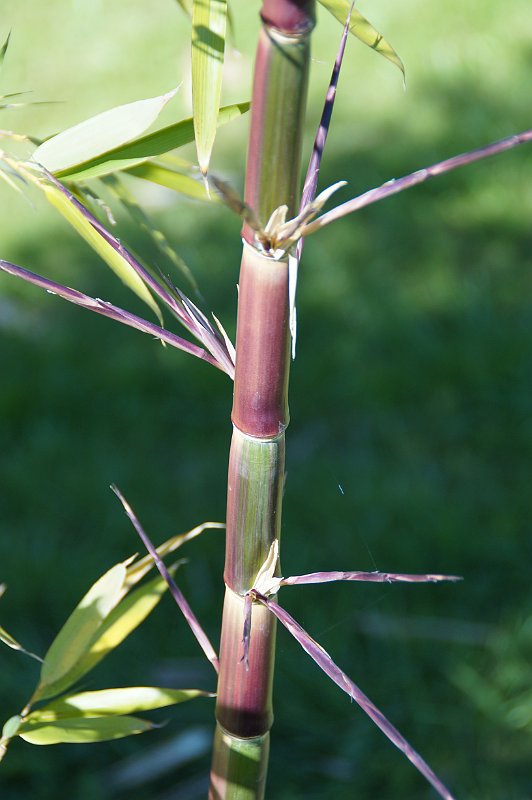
371, 577
325, 662
197, 630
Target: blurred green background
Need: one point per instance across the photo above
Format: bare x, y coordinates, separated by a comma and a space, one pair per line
410, 446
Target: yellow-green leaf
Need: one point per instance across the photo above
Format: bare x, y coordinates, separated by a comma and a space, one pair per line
82, 730
112, 257
77, 634
11, 727
149, 146
99, 134
209, 22
363, 30
178, 181
120, 622
109, 702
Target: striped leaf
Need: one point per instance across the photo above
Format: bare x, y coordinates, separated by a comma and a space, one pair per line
363, 30
97, 135
209, 22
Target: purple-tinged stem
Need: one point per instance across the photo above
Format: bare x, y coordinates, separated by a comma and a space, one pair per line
177, 594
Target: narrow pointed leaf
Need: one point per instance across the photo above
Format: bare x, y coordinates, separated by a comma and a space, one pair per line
124, 618
209, 22
97, 135
77, 634
325, 662
6, 638
149, 146
112, 702
81, 730
363, 30
3, 49
171, 179
103, 248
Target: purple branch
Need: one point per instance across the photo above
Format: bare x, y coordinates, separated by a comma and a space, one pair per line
110, 311
371, 577
400, 184
325, 662
311, 178
176, 593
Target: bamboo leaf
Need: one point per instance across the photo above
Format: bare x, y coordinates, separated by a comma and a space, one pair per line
112, 257
82, 731
3, 49
6, 638
112, 702
171, 179
209, 22
97, 135
77, 634
363, 30
149, 146
119, 623
11, 727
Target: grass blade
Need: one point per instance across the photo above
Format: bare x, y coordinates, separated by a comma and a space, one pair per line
3, 49
325, 662
82, 731
97, 135
149, 146
209, 22
363, 30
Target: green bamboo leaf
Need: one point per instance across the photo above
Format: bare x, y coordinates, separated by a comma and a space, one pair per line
209, 22
112, 257
112, 702
6, 638
3, 49
178, 181
149, 146
363, 30
77, 634
81, 730
97, 135
11, 727
186, 5
119, 623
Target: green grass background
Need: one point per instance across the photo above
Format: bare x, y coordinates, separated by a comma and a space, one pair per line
410, 446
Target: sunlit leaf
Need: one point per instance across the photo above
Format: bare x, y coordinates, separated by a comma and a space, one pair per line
110, 702
171, 179
105, 250
3, 49
209, 22
77, 634
363, 30
97, 135
149, 146
120, 622
82, 730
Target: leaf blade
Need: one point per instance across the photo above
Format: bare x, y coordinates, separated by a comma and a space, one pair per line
82, 731
209, 23
99, 134
363, 30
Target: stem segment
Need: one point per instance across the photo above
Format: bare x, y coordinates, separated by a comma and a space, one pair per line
260, 408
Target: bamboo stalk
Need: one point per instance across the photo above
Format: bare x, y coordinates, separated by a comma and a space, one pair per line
260, 407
